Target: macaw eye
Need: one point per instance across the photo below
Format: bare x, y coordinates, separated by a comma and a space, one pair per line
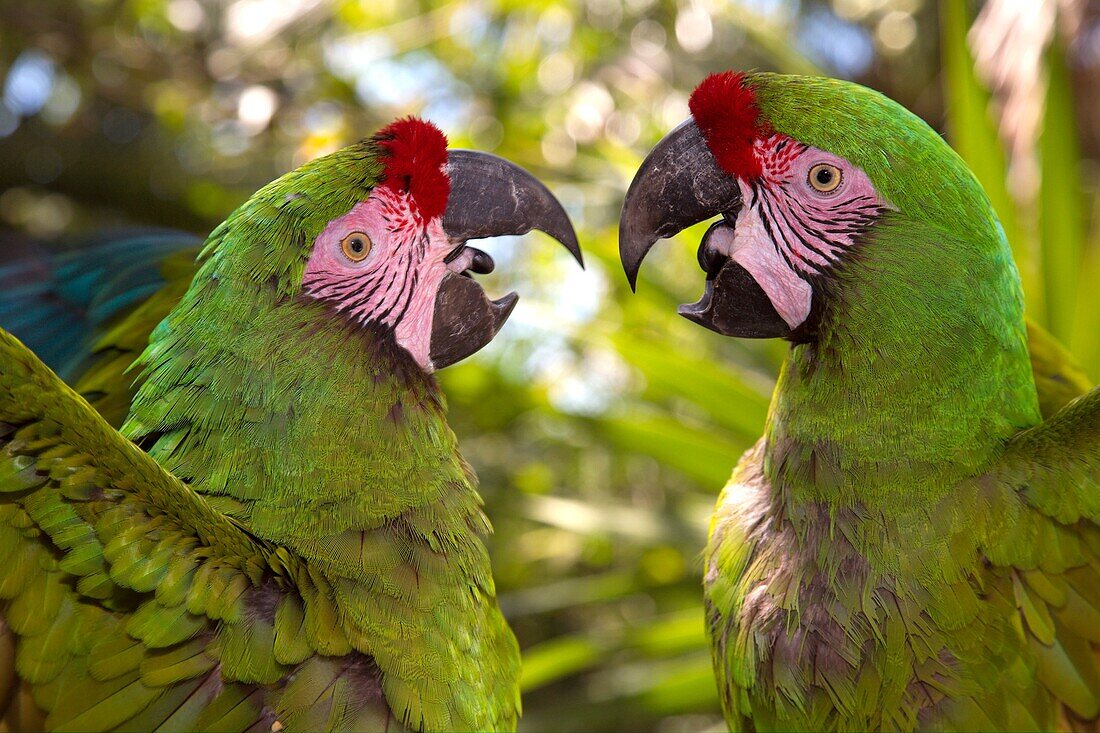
356, 246
825, 177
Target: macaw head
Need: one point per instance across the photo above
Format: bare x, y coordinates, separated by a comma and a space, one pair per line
377, 232
834, 201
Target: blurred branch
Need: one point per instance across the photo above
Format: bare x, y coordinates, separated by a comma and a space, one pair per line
639, 524
775, 41
1061, 201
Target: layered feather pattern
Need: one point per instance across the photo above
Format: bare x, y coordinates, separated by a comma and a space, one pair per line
283, 536
914, 544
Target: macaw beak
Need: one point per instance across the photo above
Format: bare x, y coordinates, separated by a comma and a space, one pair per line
490, 197
680, 184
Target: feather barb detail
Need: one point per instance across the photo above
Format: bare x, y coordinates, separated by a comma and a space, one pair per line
724, 108
415, 164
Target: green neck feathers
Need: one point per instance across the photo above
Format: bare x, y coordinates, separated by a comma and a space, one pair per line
341, 429
920, 372
921, 367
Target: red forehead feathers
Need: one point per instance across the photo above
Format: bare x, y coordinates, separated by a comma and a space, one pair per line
724, 108
414, 163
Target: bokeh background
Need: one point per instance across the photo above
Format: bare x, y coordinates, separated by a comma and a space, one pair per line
601, 424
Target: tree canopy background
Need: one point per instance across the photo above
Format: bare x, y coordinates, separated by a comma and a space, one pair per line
601, 424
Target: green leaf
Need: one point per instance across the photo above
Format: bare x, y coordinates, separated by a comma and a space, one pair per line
1061, 203
707, 456
676, 633
682, 685
775, 40
728, 399
1086, 346
556, 659
972, 131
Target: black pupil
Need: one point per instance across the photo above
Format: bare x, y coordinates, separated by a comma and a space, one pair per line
357, 245
824, 176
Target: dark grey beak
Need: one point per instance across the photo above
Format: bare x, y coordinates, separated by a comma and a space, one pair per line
733, 303
490, 197
678, 184
494, 197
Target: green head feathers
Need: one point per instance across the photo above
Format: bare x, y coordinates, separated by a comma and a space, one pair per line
268, 238
850, 228
907, 161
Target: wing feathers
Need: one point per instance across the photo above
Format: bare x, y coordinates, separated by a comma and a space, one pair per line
55, 415
178, 619
1056, 464
1050, 475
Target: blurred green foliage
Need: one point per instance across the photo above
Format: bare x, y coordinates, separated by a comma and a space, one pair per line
601, 424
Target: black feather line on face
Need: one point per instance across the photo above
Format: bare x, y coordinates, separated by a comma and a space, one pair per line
363, 292
406, 269
393, 273
411, 280
822, 218
352, 288
797, 233
766, 217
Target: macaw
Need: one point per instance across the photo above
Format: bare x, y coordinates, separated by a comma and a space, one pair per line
913, 542
283, 534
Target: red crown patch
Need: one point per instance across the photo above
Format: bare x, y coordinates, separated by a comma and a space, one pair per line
724, 108
415, 162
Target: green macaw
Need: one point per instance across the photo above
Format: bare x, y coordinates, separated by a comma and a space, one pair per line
913, 542
283, 534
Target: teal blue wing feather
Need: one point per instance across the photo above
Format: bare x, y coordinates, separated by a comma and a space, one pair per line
57, 300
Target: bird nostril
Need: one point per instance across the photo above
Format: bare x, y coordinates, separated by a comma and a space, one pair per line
482, 263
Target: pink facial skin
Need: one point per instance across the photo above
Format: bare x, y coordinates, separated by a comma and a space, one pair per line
787, 231
396, 284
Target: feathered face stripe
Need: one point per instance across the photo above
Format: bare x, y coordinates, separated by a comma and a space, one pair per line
381, 264
800, 212
377, 291
810, 228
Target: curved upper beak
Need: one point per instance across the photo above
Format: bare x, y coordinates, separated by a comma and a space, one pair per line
678, 184
490, 197
494, 197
